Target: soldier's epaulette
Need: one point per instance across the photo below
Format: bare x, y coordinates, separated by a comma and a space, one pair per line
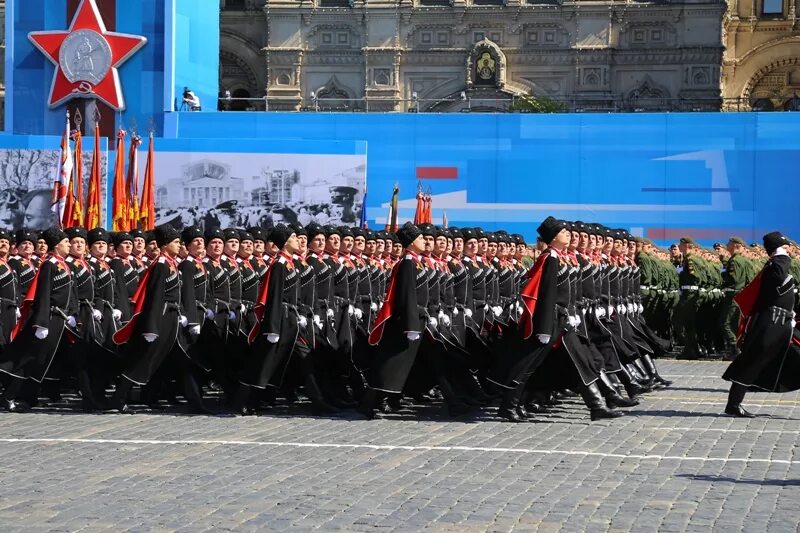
282, 260
553, 253
162, 259
16, 257
205, 260
93, 259
409, 256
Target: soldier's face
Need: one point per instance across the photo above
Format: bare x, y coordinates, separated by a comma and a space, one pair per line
562, 239
232, 246
592, 242
458, 245
124, 248
380, 246
347, 244
62, 248
359, 244
420, 244
172, 248
512, 249
246, 248
292, 245
471, 248
370, 247
574, 238
99, 249
259, 246
449, 246
428, 242
302, 242
583, 241
317, 244
41, 247
214, 248
77, 246
397, 249
152, 249
197, 247
139, 245
483, 245
491, 249
25, 248
333, 244
5, 246
441, 245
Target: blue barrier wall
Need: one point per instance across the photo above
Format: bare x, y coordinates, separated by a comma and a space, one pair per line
660, 175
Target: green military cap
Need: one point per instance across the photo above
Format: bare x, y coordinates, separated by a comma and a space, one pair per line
737, 240
687, 240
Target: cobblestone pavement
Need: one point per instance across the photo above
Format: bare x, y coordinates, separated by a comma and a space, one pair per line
672, 464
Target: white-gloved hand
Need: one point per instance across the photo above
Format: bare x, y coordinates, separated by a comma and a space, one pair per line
468, 312
71, 322
302, 321
578, 320
242, 309
17, 313
96, 314
329, 313
195, 330
231, 315
455, 311
41, 333
412, 335
583, 311
358, 313
210, 314
373, 307
621, 309
432, 322
116, 314
317, 321
183, 321
518, 307
486, 308
641, 308
544, 339
497, 310
273, 337
610, 310
630, 308
350, 310
149, 337
445, 320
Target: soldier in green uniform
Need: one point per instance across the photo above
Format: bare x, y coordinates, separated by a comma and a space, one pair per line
690, 276
737, 273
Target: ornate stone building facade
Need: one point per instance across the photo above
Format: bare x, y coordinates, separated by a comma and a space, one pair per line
454, 55
761, 66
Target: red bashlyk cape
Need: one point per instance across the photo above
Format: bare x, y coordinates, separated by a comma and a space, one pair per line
263, 294
746, 300
124, 333
530, 294
27, 303
385, 313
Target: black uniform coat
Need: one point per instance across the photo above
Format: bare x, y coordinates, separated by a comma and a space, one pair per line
46, 305
766, 362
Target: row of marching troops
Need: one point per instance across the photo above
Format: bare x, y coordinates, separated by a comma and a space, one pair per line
688, 291
350, 317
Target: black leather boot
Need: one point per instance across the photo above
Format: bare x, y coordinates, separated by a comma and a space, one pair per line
508, 407
454, 406
369, 402
241, 403
593, 399
194, 395
632, 388
735, 398
89, 402
612, 397
319, 407
650, 365
120, 399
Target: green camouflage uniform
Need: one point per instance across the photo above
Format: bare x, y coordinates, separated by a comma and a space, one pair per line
738, 272
691, 278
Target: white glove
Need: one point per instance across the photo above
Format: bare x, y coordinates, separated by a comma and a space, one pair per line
373, 307
149, 337
358, 313
17, 313
412, 335
641, 308
544, 339
116, 314
317, 321
432, 322
96, 314
183, 321
231, 315
273, 337
71, 322
302, 321
583, 312
610, 310
518, 308
455, 311
445, 320
329, 313
621, 309
195, 330
41, 333
210, 314
578, 320
242, 309
600, 312
486, 308
630, 308
468, 312
497, 310
350, 310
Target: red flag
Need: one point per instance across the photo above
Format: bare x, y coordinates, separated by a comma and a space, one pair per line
119, 206
64, 178
419, 214
93, 198
77, 189
132, 184
147, 209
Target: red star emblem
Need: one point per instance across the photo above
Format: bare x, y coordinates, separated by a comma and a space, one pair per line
86, 57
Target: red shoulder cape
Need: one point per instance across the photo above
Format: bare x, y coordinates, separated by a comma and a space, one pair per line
530, 294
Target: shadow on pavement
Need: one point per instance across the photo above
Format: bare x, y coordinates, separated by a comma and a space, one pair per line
726, 479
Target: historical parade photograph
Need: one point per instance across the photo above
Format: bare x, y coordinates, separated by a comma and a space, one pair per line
437, 265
